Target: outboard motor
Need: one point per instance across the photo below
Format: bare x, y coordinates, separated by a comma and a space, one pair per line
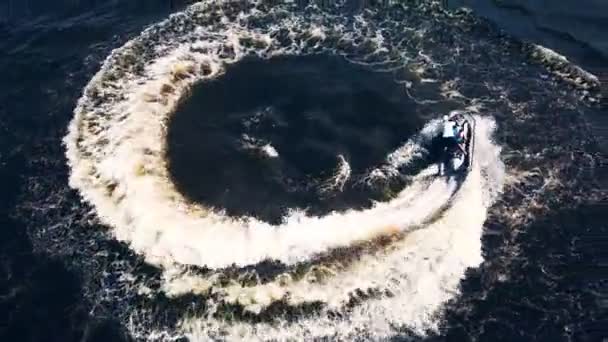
457, 161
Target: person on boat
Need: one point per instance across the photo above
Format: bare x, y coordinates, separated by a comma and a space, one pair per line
463, 131
449, 133
454, 134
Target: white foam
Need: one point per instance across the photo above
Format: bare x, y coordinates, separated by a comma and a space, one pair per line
264, 148
576, 74
340, 177
411, 150
270, 151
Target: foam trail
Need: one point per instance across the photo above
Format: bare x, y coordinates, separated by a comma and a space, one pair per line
340, 177
413, 149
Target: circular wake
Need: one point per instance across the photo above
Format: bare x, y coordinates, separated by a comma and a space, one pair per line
373, 269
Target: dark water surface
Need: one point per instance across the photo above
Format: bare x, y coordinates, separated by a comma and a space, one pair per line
575, 29
554, 291
314, 110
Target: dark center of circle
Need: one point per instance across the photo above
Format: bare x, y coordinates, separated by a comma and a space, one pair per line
311, 110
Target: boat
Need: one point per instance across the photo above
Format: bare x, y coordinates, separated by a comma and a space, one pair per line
458, 160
